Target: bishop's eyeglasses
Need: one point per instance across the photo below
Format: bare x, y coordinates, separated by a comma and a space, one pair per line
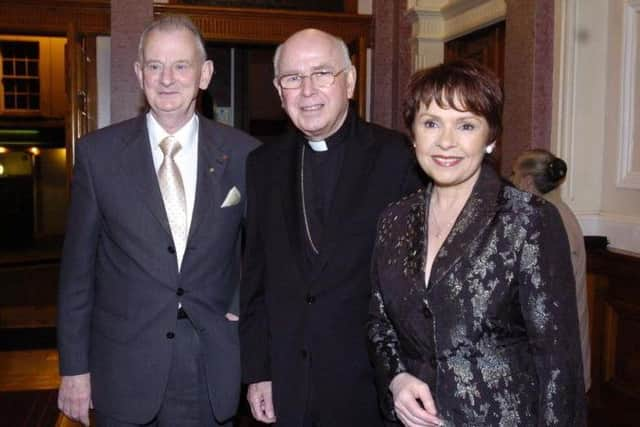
319, 79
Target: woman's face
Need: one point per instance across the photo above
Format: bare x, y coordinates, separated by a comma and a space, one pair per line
450, 144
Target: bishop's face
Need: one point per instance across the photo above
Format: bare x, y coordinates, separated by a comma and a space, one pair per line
318, 112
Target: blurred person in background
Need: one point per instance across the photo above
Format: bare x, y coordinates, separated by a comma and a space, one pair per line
540, 172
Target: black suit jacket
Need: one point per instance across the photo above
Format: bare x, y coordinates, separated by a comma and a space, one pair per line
495, 333
120, 285
306, 331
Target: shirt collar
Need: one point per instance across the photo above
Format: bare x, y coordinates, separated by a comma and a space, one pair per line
340, 135
318, 145
186, 135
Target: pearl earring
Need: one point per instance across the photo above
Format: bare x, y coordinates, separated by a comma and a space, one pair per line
489, 148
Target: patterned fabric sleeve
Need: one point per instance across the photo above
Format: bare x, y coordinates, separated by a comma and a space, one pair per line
547, 298
384, 345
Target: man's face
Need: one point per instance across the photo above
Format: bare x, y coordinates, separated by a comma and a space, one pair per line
317, 111
171, 74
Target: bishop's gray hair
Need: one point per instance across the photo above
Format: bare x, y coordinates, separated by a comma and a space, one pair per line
342, 46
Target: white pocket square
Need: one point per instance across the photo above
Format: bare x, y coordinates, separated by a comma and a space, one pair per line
233, 198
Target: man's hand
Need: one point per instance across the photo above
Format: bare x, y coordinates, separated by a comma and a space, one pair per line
261, 402
74, 397
413, 402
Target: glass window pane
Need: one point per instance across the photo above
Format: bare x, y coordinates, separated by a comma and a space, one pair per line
21, 102
21, 68
34, 86
21, 85
33, 68
33, 49
9, 102
9, 85
7, 68
22, 50
8, 50
34, 102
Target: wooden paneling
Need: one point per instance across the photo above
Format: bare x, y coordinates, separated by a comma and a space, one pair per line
311, 5
614, 282
29, 370
52, 17
267, 26
485, 46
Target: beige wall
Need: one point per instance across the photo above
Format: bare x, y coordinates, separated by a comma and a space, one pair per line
590, 87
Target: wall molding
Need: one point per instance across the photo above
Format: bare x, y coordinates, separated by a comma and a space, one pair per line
622, 231
437, 21
461, 21
627, 176
445, 20
563, 134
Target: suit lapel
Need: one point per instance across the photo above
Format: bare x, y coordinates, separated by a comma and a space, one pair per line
212, 163
476, 215
137, 166
289, 189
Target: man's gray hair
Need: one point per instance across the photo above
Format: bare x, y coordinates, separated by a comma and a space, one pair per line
171, 23
342, 46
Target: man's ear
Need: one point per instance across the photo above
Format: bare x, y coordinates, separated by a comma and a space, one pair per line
279, 90
206, 72
137, 67
351, 81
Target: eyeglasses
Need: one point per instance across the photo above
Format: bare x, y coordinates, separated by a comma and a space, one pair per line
319, 79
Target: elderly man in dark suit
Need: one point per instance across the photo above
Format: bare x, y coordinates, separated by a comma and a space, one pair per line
151, 255
313, 201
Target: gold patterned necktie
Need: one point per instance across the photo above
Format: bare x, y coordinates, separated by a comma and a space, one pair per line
172, 190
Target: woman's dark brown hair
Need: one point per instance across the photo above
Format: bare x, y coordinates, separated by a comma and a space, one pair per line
463, 85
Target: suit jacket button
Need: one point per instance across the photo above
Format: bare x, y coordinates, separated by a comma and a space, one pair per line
170, 335
180, 292
171, 250
311, 299
427, 313
304, 354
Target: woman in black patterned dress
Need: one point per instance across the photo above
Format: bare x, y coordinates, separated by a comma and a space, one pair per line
473, 314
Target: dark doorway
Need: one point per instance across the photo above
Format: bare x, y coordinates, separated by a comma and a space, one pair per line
241, 93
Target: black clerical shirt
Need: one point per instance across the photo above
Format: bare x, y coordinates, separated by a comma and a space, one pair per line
321, 174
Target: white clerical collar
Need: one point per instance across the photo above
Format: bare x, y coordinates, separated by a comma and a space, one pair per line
318, 145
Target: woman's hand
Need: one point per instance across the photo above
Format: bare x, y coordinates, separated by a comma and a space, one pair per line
413, 402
